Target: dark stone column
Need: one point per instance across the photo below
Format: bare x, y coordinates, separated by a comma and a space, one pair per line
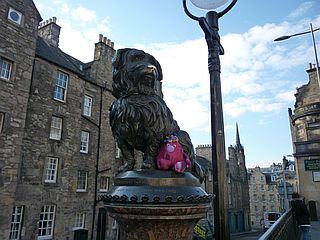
156, 205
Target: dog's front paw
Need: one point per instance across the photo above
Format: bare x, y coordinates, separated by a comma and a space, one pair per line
146, 166
127, 166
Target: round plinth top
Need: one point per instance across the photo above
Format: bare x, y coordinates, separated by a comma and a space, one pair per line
208, 4
156, 187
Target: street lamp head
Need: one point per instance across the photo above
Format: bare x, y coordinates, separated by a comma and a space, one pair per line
282, 38
208, 4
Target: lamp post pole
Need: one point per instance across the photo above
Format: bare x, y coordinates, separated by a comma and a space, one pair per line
209, 25
312, 30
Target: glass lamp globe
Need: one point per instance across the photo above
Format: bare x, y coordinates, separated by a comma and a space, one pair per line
208, 4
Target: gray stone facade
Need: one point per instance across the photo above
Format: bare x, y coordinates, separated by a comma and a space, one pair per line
29, 103
305, 132
17, 47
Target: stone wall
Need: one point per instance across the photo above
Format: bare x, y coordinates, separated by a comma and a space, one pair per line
28, 103
17, 45
305, 131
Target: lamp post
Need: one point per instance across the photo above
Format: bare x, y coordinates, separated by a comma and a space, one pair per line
312, 30
284, 166
210, 27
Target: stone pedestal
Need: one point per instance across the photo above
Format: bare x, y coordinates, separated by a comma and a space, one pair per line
156, 205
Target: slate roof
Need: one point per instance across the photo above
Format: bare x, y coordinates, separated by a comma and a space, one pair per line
58, 57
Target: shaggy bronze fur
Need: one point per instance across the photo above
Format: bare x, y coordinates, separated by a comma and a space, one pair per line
139, 117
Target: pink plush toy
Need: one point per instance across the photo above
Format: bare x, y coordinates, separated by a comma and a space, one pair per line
171, 156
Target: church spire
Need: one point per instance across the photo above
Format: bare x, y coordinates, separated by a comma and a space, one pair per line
237, 136
238, 143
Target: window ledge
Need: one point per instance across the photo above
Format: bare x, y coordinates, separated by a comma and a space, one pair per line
81, 191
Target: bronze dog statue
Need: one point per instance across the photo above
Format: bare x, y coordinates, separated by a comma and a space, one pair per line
139, 117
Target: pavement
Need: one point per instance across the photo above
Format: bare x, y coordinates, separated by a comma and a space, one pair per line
315, 230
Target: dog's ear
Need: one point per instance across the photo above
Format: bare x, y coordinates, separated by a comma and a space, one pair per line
117, 60
158, 66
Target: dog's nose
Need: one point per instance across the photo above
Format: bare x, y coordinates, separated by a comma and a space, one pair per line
152, 67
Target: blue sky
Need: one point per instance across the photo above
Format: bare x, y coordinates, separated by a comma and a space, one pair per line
259, 76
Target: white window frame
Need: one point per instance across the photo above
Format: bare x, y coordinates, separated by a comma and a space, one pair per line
79, 221
82, 181
104, 183
46, 222
51, 170
5, 69
56, 128
61, 84
84, 142
2, 116
118, 151
87, 106
16, 222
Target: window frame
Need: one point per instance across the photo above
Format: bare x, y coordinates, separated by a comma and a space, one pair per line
16, 224
117, 151
81, 181
49, 172
84, 142
104, 183
47, 222
2, 118
87, 105
61, 86
56, 128
79, 221
4, 70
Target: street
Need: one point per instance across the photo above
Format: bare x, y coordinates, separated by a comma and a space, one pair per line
246, 236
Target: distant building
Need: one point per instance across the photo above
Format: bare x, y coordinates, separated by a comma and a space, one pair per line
263, 191
288, 186
238, 189
305, 132
56, 148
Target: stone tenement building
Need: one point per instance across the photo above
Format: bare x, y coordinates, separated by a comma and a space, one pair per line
264, 196
56, 146
288, 186
305, 132
238, 188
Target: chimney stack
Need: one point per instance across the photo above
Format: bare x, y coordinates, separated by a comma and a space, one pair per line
49, 30
101, 48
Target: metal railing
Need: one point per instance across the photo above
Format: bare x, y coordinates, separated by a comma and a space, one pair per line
284, 228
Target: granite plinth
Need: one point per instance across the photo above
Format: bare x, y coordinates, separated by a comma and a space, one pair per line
156, 205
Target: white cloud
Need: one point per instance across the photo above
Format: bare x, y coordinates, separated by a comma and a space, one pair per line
82, 14
301, 10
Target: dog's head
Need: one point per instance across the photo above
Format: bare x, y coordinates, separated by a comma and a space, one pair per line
135, 72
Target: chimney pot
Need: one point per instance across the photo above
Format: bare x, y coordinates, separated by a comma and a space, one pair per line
104, 39
50, 31
100, 37
112, 44
310, 65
